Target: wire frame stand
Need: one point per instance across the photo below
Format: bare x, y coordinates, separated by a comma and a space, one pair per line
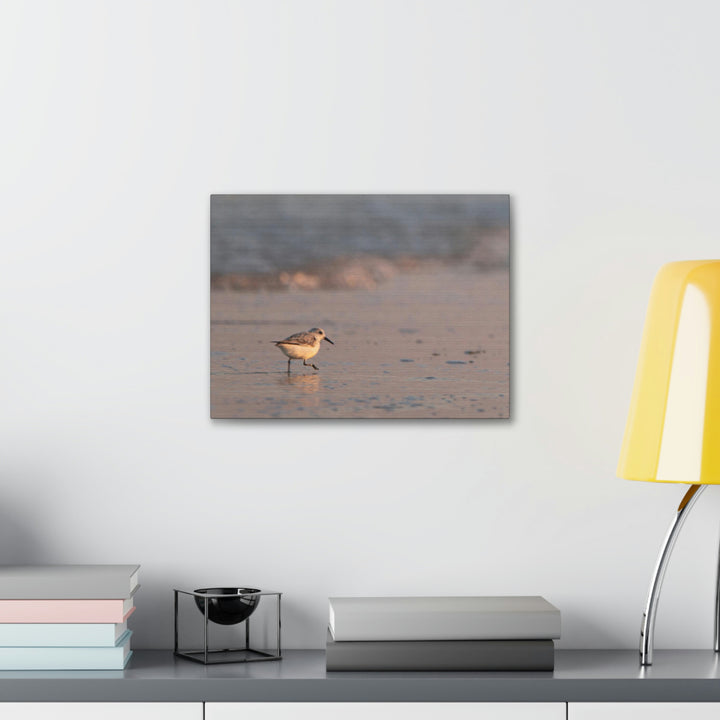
208, 656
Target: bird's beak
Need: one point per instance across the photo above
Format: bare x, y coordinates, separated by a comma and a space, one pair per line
329, 340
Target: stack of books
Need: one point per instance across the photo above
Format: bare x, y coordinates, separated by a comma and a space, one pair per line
66, 617
442, 633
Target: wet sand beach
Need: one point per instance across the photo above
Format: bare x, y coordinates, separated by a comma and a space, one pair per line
433, 343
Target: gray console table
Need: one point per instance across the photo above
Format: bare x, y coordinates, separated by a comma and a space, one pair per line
582, 676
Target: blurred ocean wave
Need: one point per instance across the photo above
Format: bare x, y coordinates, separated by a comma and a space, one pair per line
355, 241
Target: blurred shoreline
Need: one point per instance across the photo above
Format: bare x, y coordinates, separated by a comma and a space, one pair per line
366, 272
263, 234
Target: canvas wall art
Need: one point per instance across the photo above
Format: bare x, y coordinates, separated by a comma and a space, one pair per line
360, 306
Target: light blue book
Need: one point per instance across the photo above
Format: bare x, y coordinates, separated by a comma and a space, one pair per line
61, 634
67, 658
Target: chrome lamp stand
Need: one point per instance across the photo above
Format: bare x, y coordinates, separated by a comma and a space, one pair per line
647, 630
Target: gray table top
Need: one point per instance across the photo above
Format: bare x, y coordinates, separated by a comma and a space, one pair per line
579, 676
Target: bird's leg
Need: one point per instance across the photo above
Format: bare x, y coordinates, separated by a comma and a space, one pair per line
305, 362
289, 365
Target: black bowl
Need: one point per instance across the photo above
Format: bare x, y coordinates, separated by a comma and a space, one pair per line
228, 610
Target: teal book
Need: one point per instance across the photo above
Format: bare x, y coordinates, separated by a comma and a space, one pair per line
67, 658
61, 634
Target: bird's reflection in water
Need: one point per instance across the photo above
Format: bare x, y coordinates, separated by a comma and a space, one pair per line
302, 383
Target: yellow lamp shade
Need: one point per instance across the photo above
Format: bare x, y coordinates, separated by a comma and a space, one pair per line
673, 427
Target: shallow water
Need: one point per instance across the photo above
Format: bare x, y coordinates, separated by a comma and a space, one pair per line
432, 345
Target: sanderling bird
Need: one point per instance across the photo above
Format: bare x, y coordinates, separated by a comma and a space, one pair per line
303, 346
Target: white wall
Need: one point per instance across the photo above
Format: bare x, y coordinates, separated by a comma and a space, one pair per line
119, 119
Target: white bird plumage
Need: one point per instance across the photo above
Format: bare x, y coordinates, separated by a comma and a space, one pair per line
303, 346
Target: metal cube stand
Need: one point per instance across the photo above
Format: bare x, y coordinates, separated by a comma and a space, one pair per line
245, 654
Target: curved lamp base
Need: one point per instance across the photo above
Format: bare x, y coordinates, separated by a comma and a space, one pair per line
647, 631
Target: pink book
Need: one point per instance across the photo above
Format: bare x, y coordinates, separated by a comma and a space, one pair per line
65, 611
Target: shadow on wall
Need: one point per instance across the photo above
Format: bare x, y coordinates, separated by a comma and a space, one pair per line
153, 619
582, 630
19, 545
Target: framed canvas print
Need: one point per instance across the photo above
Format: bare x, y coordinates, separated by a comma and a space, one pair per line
360, 306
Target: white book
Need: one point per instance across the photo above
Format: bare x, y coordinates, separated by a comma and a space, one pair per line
443, 618
61, 634
68, 582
